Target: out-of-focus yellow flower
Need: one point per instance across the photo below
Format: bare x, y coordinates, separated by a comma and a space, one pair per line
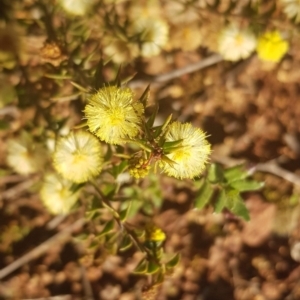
140, 9
76, 7
153, 34
25, 156
113, 115
181, 12
191, 156
119, 50
57, 195
78, 156
271, 46
292, 9
236, 43
154, 233
186, 37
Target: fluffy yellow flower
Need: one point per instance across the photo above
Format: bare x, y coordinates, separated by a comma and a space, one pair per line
57, 195
191, 156
24, 156
78, 156
236, 43
113, 115
271, 46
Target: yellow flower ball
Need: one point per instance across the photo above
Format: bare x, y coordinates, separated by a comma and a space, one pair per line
191, 156
78, 156
113, 115
154, 233
57, 195
271, 46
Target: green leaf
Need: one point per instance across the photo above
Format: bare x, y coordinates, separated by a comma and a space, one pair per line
168, 161
246, 185
220, 202
173, 262
92, 215
125, 244
79, 87
235, 173
204, 195
127, 79
98, 77
109, 226
4, 125
241, 210
145, 96
134, 208
95, 204
141, 268
117, 81
152, 268
151, 119
172, 144
236, 204
215, 173
111, 237
123, 213
120, 168
58, 76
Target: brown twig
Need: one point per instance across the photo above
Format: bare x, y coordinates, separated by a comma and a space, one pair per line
157, 80
18, 189
60, 237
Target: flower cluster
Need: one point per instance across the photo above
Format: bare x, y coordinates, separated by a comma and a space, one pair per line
138, 167
113, 116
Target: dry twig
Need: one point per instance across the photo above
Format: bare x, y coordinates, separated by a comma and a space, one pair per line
60, 237
204, 63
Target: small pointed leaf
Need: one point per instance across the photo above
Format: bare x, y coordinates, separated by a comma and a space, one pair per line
215, 173
204, 195
173, 262
145, 96
109, 226
151, 119
152, 268
123, 213
235, 173
236, 204
220, 202
125, 244
246, 185
141, 268
79, 87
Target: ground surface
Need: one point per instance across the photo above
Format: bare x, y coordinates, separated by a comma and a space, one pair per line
251, 112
